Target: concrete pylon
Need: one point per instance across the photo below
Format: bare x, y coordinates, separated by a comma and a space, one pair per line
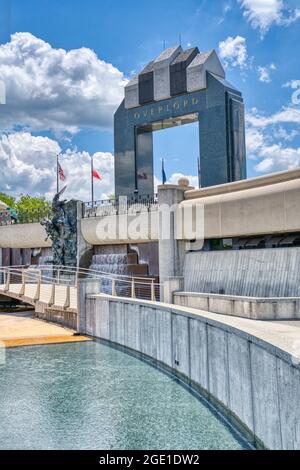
84, 287
171, 250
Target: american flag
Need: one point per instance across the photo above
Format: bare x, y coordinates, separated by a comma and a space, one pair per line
61, 173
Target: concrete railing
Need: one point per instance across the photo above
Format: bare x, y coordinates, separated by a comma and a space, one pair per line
242, 367
256, 308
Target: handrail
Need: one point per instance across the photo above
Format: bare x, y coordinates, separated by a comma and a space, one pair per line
88, 270
140, 203
119, 285
74, 270
130, 200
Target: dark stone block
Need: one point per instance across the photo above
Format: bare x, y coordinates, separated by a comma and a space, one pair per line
178, 80
146, 85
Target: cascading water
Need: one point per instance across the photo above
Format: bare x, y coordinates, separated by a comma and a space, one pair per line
112, 263
116, 260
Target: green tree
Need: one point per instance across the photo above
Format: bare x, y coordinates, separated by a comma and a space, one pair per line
27, 208
32, 208
9, 200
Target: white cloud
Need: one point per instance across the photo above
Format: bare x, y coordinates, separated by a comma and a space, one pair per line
28, 166
254, 140
173, 179
264, 73
54, 89
283, 134
194, 181
234, 51
267, 138
262, 14
277, 157
271, 156
294, 84
288, 114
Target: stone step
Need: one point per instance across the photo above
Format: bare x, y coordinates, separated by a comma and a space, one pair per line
111, 249
130, 258
126, 269
137, 269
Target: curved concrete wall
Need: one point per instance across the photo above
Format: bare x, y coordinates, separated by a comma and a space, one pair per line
23, 236
263, 205
235, 362
120, 229
268, 209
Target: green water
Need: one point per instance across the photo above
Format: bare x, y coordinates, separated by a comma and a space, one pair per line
91, 396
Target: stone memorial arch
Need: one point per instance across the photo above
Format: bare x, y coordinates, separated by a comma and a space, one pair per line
179, 87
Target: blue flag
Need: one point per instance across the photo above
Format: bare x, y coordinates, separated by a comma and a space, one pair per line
163, 173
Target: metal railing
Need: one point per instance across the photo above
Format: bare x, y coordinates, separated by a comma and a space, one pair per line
20, 277
132, 205
8, 217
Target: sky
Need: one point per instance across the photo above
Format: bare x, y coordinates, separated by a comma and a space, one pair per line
64, 65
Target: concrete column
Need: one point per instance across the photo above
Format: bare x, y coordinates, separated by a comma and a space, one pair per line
171, 251
84, 287
172, 285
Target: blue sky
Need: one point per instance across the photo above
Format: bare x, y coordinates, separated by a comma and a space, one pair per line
258, 46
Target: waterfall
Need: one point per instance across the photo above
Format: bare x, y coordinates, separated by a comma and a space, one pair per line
112, 263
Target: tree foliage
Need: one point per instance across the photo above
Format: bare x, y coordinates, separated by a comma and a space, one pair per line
9, 200
27, 207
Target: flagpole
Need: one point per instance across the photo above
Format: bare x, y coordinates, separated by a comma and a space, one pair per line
92, 180
199, 172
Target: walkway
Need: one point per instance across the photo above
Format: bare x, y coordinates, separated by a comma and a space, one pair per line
23, 329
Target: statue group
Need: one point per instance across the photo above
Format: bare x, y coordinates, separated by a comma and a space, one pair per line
61, 228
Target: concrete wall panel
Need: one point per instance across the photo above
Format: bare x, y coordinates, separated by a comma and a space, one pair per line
180, 341
116, 322
240, 393
148, 332
289, 391
237, 273
164, 337
198, 353
265, 397
132, 326
104, 322
24, 236
218, 364
90, 318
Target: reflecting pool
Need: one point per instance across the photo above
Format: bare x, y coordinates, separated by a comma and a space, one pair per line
92, 396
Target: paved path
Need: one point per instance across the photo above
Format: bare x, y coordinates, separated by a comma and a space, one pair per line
283, 334
23, 329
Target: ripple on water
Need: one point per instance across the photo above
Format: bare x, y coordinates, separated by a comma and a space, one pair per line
91, 396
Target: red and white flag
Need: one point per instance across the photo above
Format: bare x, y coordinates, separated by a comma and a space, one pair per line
96, 175
61, 173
